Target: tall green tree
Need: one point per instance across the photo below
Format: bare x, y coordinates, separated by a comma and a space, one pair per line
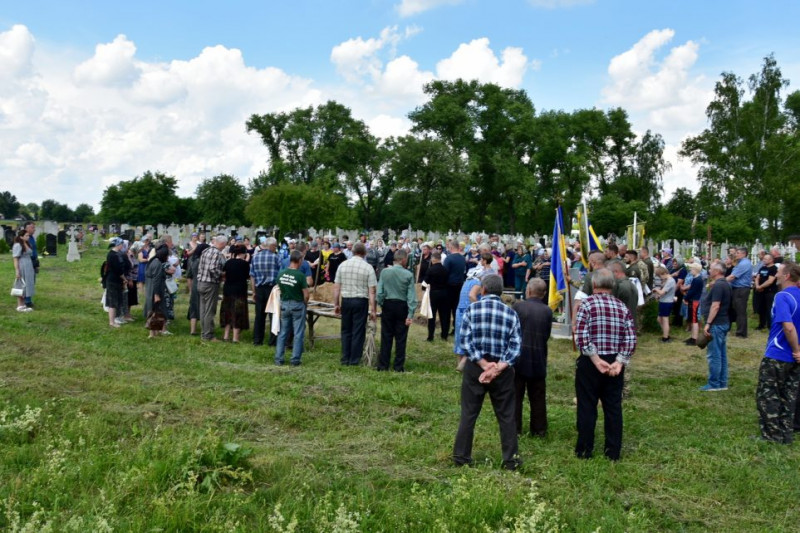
748, 156
308, 145
427, 184
222, 200
491, 130
84, 213
53, 210
298, 206
9, 206
146, 199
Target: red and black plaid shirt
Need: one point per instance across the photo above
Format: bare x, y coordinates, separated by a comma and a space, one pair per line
604, 326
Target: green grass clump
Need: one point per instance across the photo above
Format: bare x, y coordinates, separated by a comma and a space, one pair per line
105, 430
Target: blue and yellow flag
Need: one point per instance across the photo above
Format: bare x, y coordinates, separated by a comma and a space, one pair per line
586, 236
558, 260
635, 241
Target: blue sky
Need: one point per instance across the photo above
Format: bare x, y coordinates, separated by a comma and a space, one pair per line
95, 92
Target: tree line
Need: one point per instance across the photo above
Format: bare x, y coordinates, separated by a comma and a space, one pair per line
480, 157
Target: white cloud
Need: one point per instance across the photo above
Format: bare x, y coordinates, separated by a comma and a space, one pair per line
662, 94
556, 4
407, 8
476, 60
71, 126
112, 64
384, 126
16, 51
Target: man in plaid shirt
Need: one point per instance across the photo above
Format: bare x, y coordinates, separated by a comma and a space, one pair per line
491, 339
264, 267
356, 284
209, 276
606, 337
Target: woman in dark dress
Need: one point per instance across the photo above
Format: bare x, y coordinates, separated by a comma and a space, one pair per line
233, 313
156, 288
437, 277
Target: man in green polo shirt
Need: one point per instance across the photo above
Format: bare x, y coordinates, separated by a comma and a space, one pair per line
397, 296
294, 295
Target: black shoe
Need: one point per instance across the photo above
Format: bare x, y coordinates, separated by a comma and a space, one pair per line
666, 339
690, 342
429, 339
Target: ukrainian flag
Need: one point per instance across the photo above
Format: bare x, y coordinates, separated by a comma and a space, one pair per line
558, 260
587, 237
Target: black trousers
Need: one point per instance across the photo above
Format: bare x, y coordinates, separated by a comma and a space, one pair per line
393, 328
440, 303
677, 319
259, 324
354, 329
501, 393
764, 309
590, 386
739, 303
536, 400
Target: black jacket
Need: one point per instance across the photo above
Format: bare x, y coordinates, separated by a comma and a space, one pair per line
536, 321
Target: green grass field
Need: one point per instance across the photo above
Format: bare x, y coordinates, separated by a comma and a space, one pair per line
105, 430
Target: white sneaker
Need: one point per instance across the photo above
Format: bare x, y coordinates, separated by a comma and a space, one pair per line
22, 308
119, 321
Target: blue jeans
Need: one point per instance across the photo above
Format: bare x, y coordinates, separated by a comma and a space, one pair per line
293, 318
718, 356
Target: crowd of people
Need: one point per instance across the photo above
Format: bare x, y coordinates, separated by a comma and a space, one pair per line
501, 349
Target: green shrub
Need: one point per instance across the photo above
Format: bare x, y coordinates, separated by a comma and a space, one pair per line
41, 243
4, 248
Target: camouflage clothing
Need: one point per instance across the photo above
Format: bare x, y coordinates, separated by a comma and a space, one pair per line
776, 395
638, 270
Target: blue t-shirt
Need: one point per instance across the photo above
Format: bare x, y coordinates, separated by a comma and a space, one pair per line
784, 309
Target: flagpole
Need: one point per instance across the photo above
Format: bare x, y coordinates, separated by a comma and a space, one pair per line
633, 247
568, 282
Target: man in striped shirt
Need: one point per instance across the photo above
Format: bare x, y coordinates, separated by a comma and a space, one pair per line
606, 337
490, 337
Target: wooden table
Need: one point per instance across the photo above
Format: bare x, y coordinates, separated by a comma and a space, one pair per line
315, 310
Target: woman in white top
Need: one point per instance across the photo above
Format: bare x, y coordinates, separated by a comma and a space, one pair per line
666, 297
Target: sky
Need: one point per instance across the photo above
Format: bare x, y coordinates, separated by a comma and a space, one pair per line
93, 93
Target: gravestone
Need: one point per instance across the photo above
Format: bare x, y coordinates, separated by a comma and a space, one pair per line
62, 237
48, 226
8, 235
95, 239
51, 244
129, 235
72, 253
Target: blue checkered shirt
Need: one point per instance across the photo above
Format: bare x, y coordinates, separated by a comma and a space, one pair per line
264, 267
490, 327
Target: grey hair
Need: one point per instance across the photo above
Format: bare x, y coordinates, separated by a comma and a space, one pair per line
221, 239
271, 241
359, 249
717, 267
399, 255
536, 287
602, 278
492, 284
